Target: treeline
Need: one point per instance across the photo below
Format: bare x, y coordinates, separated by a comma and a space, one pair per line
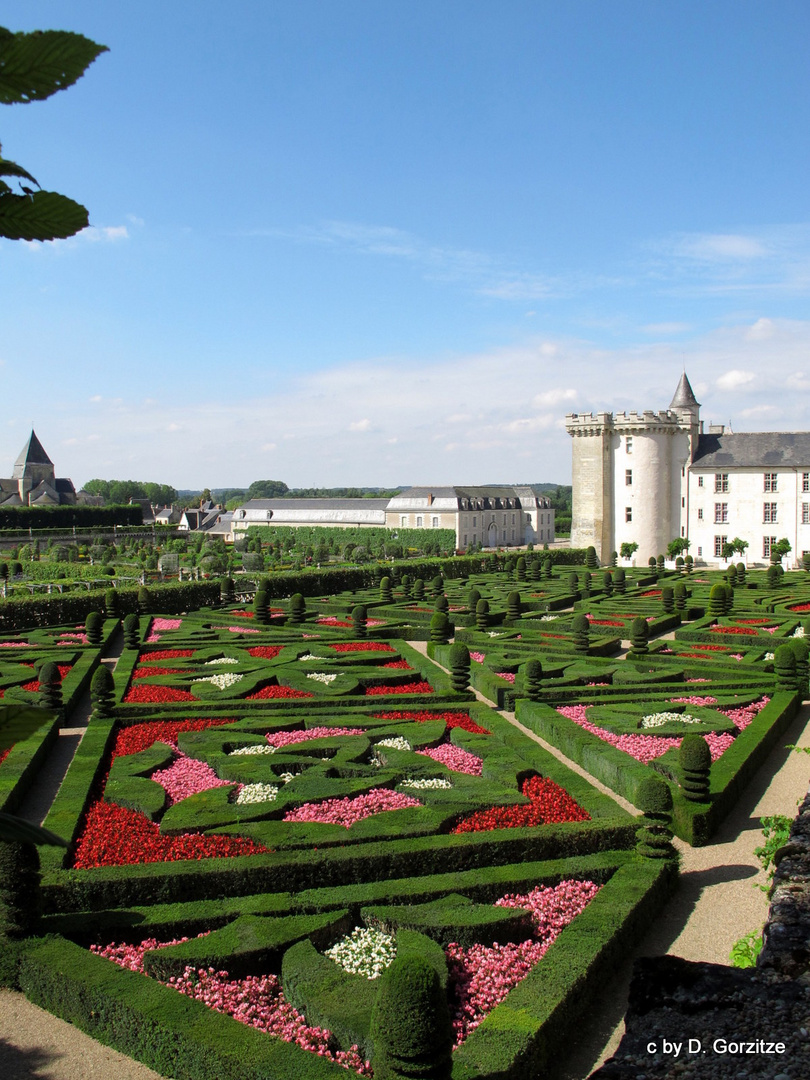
121, 491
65, 517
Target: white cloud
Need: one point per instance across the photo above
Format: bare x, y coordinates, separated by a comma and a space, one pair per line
799, 380
734, 379
268, 446
106, 233
360, 425
96, 398
665, 329
720, 247
760, 410
549, 398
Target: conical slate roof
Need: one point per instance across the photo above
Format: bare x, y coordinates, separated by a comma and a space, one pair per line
684, 397
31, 454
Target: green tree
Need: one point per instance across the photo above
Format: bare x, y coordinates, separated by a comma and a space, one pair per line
628, 549
267, 489
33, 67
677, 547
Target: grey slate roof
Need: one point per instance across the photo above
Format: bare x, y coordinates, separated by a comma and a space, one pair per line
32, 453
684, 397
315, 504
755, 449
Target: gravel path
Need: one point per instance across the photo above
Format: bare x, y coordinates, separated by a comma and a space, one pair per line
715, 904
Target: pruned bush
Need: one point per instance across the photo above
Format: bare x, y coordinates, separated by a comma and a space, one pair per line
132, 631
513, 605
654, 799
298, 609
482, 615
695, 760
459, 660
411, 1031
359, 620
50, 687
93, 627
441, 628
533, 679
102, 692
639, 637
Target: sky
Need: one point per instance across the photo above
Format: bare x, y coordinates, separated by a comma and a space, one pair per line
386, 242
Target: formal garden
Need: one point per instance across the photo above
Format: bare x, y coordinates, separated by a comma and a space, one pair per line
309, 829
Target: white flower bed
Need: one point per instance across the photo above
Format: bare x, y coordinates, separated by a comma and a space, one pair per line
798, 632
660, 718
770, 655
364, 952
427, 785
223, 681
308, 656
395, 743
257, 793
258, 748
548, 618
221, 660
322, 677
494, 633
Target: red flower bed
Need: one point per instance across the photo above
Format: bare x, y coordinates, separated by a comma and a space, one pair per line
156, 695
605, 622
145, 672
277, 692
754, 622
731, 630
362, 646
399, 665
164, 654
114, 836
650, 592
4, 754
407, 688
550, 804
799, 607
333, 620
243, 614
33, 685
711, 648
131, 740
451, 719
557, 637
265, 652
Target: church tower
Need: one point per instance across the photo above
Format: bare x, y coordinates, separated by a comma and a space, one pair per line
629, 476
32, 467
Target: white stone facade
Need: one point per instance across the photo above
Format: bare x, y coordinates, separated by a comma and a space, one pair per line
651, 477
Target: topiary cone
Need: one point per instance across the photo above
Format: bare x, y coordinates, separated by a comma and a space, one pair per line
695, 759
639, 637
784, 665
359, 620
50, 687
102, 691
668, 599
132, 631
93, 627
581, 631
144, 601
717, 601
298, 608
261, 604
513, 605
385, 590
442, 603
440, 628
619, 579
482, 614
459, 661
533, 680
418, 589
411, 1031
654, 799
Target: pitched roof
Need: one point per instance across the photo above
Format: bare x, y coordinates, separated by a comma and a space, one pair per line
31, 454
754, 449
684, 398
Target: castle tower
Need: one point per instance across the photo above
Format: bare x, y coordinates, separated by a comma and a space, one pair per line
629, 476
32, 467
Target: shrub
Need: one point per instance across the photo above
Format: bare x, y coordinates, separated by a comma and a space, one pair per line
679, 593
440, 628
261, 608
800, 650
695, 759
520, 569
418, 589
298, 608
144, 601
784, 663
20, 904
472, 601
102, 692
689, 563
513, 605
679, 563
590, 558
548, 564
580, 628
359, 620
533, 680
668, 599
607, 583
774, 575
660, 563
411, 1030
619, 579
93, 627
50, 687
614, 558
442, 603
459, 659
482, 614
740, 573
385, 590
717, 601
573, 583
112, 608
639, 637
227, 590
406, 585
132, 631
437, 585
654, 799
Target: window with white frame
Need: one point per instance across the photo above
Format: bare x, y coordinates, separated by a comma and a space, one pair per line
768, 542
628, 513
719, 543
806, 481
473, 524
700, 553
435, 523
721, 481
700, 513
700, 481
403, 520
628, 477
769, 513
720, 513
805, 513
770, 480
419, 521
628, 444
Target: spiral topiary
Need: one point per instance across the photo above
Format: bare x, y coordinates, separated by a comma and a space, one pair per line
482, 615
581, 631
548, 566
620, 579
695, 760
590, 558
132, 631
654, 799
50, 687
359, 620
418, 589
227, 590
774, 575
520, 569
261, 607
800, 651
441, 628
298, 609
740, 574
94, 627
532, 569
573, 584
614, 558
411, 1031
102, 692
680, 595
459, 662
668, 599
112, 606
784, 665
607, 583
437, 585
679, 563
513, 605
717, 601
639, 637
441, 603
533, 679
407, 586
472, 601
385, 590
144, 601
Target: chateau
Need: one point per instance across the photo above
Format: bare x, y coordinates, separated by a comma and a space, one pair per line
651, 477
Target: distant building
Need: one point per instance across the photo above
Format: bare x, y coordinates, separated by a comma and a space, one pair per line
34, 482
651, 477
489, 516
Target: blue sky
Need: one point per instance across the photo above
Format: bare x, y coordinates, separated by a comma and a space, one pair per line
353, 242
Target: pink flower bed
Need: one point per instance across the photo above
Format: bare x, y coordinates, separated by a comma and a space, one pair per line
237, 629
256, 1000
18, 644
161, 624
421, 687
478, 657
482, 975
694, 700
187, 776
509, 676
456, 759
289, 738
361, 646
348, 811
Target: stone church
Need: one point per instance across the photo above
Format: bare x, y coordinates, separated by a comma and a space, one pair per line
651, 477
33, 481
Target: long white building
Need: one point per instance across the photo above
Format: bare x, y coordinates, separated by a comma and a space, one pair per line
650, 477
